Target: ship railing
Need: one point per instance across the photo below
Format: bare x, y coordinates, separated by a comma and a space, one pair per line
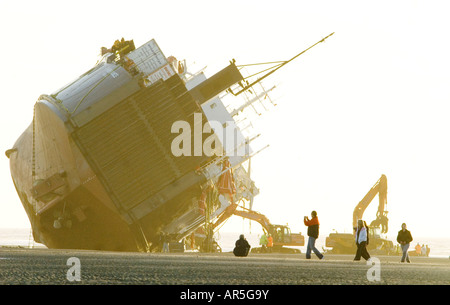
238, 164
216, 161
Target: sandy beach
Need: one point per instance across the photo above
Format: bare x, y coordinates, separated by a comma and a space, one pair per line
50, 267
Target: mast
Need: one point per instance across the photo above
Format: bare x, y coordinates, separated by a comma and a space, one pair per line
276, 67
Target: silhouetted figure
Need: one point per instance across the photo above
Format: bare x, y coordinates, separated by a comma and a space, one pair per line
404, 238
313, 234
242, 246
362, 240
165, 242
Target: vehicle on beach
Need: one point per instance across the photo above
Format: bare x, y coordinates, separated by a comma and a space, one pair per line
344, 243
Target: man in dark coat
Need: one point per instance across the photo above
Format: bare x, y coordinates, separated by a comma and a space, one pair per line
404, 238
313, 234
242, 246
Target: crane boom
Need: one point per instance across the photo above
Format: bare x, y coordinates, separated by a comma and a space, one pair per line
380, 188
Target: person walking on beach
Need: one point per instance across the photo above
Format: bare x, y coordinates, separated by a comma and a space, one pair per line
404, 238
242, 247
313, 234
362, 240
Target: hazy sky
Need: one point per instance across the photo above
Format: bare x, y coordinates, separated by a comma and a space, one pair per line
373, 99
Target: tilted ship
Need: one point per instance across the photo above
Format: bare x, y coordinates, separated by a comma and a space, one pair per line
134, 147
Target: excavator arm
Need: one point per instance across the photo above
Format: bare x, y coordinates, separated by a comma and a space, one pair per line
379, 188
282, 235
249, 214
255, 216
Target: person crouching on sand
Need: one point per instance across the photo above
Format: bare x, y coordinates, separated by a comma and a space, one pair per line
404, 238
313, 234
242, 246
362, 240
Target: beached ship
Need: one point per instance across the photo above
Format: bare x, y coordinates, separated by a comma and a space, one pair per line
132, 148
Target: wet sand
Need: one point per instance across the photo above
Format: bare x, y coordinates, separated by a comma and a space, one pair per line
49, 267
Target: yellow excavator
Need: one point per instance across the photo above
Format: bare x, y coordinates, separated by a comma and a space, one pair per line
281, 234
344, 243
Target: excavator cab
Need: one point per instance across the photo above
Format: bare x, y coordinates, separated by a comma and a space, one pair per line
282, 234
284, 237
375, 232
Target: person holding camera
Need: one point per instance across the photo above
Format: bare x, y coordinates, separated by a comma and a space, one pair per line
313, 234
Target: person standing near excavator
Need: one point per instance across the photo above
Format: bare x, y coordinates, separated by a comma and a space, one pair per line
263, 242
313, 234
269, 243
362, 240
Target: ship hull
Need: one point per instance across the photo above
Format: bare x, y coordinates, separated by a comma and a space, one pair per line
96, 167
109, 181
